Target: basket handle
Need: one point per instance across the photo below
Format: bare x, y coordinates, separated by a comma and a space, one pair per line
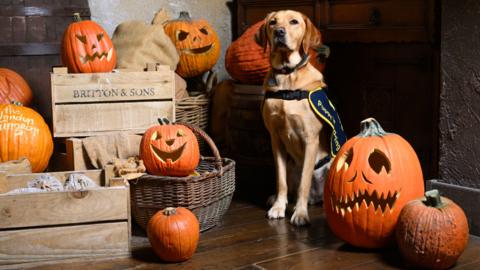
210, 142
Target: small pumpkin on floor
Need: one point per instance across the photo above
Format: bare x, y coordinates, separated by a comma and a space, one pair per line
87, 48
173, 234
169, 149
432, 231
370, 180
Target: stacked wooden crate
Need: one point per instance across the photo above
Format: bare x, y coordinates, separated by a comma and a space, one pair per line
91, 104
42, 226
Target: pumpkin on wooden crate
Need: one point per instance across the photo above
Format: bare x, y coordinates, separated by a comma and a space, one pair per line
248, 62
169, 149
14, 88
24, 133
87, 48
197, 44
370, 180
173, 234
432, 232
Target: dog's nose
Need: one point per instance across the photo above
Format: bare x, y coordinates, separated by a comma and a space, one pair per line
279, 32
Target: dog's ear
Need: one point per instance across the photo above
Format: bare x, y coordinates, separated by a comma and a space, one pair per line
261, 36
312, 37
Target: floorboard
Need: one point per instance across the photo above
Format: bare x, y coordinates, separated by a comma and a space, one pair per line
246, 240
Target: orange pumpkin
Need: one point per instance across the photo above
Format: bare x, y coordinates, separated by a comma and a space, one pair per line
24, 133
197, 44
169, 149
14, 88
432, 231
370, 180
87, 48
248, 62
173, 234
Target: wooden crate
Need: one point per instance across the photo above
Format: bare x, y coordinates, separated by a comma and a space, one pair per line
90, 104
37, 227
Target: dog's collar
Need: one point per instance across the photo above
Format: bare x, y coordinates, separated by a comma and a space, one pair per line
287, 70
287, 94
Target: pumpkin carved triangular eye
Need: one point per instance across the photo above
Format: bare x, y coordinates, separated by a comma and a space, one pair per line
378, 160
156, 136
345, 160
83, 39
181, 35
204, 31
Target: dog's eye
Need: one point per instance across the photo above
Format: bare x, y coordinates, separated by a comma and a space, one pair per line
272, 22
294, 21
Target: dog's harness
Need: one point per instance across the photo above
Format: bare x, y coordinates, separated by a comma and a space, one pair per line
322, 106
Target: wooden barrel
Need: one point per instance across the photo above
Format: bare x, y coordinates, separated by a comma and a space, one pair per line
249, 144
31, 32
248, 139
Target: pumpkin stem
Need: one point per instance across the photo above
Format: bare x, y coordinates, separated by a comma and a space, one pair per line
76, 17
163, 121
370, 127
169, 211
433, 198
184, 16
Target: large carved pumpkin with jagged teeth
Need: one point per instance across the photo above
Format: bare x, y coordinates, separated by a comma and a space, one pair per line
169, 149
370, 180
87, 48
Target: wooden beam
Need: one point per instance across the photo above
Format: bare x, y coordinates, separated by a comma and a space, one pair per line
46, 48
11, 11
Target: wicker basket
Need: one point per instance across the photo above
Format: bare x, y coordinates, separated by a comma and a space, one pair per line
208, 196
194, 111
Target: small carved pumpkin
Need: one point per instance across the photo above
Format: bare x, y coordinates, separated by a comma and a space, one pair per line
87, 48
24, 133
432, 231
169, 149
14, 88
173, 234
370, 180
197, 44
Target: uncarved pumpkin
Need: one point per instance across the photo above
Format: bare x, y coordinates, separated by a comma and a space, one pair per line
169, 149
248, 62
14, 88
197, 44
87, 48
370, 180
173, 234
24, 133
432, 231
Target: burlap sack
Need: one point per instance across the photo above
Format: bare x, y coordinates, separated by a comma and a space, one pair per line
104, 149
138, 43
21, 165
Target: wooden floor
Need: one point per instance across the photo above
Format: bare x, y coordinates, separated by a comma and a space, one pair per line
247, 240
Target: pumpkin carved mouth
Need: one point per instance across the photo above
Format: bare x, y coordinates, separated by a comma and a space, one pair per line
164, 156
198, 50
347, 203
100, 56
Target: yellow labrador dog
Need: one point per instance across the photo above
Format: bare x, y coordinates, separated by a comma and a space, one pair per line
299, 137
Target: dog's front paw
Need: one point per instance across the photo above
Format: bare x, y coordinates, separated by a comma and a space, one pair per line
277, 211
300, 217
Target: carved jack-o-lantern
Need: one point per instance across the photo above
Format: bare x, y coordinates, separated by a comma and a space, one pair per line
372, 177
87, 48
169, 150
197, 44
